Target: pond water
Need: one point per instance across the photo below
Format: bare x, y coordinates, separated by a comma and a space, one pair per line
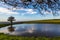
33, 30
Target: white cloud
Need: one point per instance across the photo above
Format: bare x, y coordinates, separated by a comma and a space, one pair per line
30, 11
6, 11
26, 11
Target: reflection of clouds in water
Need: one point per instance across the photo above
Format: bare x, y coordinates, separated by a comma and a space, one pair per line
47, 27
4, 30
27, 28
24, 29
32, 29
21, 29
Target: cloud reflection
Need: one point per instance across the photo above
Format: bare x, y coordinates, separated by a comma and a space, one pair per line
33, 29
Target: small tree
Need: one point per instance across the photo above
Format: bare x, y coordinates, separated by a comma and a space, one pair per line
11, 19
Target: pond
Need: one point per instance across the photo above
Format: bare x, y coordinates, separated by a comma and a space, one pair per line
33, 30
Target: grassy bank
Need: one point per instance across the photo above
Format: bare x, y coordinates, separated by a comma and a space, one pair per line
54, 21
8, 37
3, 25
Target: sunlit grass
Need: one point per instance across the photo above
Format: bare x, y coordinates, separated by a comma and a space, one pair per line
10, 37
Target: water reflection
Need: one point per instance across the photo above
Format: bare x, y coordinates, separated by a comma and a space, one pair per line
34, 30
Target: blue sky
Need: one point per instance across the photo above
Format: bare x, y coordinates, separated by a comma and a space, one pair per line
23, 14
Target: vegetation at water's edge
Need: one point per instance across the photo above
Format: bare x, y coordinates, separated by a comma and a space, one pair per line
3, 25
9, 37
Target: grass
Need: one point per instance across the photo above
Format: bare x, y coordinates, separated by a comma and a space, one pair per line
9, 37
54, 21
3, 25
46, 21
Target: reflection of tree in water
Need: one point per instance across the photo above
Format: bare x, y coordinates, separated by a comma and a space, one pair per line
11, 28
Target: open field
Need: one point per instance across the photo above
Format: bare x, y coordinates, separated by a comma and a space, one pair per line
9, 37
55, 21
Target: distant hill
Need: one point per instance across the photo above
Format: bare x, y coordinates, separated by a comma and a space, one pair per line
4, 22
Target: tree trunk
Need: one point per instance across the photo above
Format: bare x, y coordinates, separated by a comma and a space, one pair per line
11, 23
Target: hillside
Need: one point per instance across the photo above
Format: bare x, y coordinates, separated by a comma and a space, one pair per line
53, 21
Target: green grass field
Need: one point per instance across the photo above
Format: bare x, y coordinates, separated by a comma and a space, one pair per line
9, 37
54, 21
